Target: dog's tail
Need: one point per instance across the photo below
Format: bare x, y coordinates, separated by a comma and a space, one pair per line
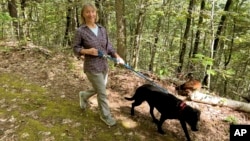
129, 98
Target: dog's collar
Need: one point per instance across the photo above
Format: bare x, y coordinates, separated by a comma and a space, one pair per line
182, 106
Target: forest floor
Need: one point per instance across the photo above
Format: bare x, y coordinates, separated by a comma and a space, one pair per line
39, 101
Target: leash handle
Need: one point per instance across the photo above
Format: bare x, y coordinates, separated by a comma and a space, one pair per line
115, 60
100, 54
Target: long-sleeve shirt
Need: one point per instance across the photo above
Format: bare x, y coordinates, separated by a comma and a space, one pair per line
85, 39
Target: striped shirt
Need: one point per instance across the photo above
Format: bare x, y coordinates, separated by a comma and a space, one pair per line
85, 39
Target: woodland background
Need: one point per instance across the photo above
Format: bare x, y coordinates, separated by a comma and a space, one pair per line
209, 38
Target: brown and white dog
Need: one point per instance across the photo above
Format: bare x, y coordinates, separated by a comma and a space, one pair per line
187, 88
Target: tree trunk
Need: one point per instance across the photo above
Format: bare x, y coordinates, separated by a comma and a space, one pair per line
121, 28
197, 35
66, 40
23, 22
158, 27
220, 27
215, 41
157, 33
101, 12
137, 39
219, 101
185, 37
77, 20
227, 59
12, 7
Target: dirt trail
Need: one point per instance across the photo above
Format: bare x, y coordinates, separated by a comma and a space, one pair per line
62, 73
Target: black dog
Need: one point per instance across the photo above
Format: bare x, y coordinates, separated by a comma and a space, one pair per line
168, 105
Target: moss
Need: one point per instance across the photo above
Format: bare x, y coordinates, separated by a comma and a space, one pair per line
40, 115
20, 86
31, 130
103, 136
5, 49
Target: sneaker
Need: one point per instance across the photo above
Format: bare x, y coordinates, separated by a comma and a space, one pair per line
109, 121
83, 102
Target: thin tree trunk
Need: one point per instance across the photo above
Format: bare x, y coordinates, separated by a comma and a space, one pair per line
121, 28
185, 37
158, 27
207, 77
220, 27
77, 15
138, 32
101, 12
157, 33
197, 35
12, 7
228, 58
215, 42
22, 24
66, 40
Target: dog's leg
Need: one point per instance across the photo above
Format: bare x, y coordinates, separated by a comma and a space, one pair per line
159, 125
152, 114
132, 109
184, 127
134, 104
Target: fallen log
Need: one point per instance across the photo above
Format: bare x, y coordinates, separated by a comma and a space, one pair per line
220, 101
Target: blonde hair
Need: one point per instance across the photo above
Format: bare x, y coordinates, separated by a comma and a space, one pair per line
92, 6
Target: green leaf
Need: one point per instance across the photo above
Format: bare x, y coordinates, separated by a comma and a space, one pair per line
212, 72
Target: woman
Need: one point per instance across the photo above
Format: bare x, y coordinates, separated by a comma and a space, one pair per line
91, 39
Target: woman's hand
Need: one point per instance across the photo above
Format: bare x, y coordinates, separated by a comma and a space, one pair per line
120, 61
91, 51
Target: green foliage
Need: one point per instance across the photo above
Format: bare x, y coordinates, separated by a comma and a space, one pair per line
231, 119
203, 60
5, 20
45, 24
227, 73
4, 16
210, 71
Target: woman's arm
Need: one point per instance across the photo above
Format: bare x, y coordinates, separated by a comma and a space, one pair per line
79, 49
91, 51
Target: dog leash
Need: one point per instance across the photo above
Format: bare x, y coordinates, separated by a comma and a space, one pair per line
100, 54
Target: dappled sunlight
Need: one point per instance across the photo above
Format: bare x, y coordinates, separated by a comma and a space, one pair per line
64, 79
128, 123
